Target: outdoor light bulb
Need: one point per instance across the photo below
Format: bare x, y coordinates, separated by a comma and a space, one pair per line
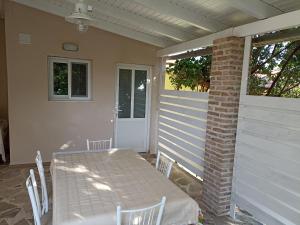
82, 27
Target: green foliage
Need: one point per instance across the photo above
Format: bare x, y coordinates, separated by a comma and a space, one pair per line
191, 72
275, 70
60, 78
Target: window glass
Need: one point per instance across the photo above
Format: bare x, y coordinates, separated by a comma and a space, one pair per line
140, 85
124, 93
60, 78
79, 80
69, 79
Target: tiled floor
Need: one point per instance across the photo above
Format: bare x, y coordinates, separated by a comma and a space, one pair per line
15, 208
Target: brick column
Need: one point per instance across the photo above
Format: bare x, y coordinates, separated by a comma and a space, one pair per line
222, 116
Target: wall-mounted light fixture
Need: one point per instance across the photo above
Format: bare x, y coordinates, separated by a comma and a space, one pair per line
72, 47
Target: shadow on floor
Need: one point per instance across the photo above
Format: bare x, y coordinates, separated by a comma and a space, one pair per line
15, 208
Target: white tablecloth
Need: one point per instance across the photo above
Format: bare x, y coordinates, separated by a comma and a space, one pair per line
3, 133
88, 186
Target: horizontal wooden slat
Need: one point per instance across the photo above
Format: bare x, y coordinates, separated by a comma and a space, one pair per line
181, 151
184, 119
182, 127
188, 128
186, 94
278, 103
262, 213
259, 157
182, 109
284, 180
182, 146
263, 199
197, 139
289, 119
290, 152
183, 102
189, 164
272, 189
269, 131
266, 178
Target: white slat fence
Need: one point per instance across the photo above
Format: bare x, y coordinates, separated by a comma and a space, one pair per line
182, 127
266, 179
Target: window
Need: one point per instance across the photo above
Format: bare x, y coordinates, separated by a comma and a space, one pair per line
69, 79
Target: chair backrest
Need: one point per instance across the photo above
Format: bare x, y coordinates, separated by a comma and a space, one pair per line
146, 216
99, 145
34, 198
39, 163
163, 164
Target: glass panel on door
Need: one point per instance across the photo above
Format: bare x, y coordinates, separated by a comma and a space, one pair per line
140, 85
125, 80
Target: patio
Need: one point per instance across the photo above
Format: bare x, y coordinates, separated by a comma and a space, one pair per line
208, 90
15, 208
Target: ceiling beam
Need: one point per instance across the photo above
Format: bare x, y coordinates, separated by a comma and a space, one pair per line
193, 18
199, 52
104, 25
280, 22
280, 36
140, 21
255, 8
201, 42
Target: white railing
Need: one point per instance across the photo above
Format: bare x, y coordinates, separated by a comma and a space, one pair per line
182, 127
266, 179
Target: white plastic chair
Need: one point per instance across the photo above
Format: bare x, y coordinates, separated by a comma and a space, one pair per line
35, 201
163, 164
99, 145
146, 216
39, 163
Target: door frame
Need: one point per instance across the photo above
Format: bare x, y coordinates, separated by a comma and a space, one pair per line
148, 99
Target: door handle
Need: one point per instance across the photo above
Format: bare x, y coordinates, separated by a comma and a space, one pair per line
116, 111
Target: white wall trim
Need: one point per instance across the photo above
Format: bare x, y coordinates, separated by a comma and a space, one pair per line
246, 60
283, 21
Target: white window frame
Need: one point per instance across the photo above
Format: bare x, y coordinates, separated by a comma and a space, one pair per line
69, 61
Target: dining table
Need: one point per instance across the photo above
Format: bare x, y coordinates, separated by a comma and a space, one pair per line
89, 185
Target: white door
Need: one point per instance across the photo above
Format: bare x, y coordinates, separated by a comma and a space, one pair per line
132, 107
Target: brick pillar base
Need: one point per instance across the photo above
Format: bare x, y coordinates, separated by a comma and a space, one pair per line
222, 117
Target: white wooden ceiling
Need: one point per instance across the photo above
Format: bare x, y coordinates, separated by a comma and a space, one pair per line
168, 22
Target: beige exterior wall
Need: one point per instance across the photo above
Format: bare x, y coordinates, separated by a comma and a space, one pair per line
3, 75
35, 122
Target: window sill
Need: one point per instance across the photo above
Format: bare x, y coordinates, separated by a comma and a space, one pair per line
87, 101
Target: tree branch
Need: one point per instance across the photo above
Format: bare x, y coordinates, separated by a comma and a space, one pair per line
282, 69
284, 86
270, 58
290, 88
